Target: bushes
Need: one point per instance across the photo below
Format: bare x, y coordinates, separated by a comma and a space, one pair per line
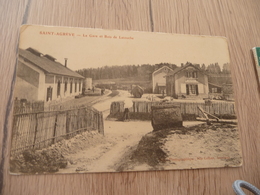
32, 161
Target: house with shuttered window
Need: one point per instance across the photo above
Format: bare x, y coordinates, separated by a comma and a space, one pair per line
41, 78
187, 81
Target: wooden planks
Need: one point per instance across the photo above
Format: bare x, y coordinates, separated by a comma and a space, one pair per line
40, 130
238, 20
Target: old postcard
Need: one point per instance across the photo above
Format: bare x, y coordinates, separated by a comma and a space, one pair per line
92, 100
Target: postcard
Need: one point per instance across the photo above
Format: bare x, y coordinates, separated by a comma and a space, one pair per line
94, 100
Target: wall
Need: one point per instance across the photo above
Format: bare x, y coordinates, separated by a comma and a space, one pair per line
159, 79
32, 76
25, 90
180, 78
63, 94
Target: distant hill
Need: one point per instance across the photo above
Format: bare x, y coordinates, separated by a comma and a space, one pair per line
128, 74
139, 72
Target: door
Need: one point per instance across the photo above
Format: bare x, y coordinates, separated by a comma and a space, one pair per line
58, 89
192, 90
187, 90
49, 94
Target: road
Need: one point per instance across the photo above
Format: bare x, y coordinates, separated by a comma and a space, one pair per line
119, 138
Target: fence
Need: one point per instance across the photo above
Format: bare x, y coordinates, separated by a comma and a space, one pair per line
42, 129
23, 106
216, 108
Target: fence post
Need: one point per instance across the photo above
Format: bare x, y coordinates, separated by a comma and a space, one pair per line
54, 130
100, 123
35, 129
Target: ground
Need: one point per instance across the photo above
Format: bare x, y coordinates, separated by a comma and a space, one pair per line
102, 156
131, 146
198, 146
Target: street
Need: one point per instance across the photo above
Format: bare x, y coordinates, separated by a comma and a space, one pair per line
119, 137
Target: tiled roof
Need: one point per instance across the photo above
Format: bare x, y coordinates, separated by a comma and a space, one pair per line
183, 67
46, 64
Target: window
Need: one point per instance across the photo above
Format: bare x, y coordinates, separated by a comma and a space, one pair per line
75, 87
49, 94
192, 89
58, 89
214, 90
71, 87
192, 74
65, 86
79, 86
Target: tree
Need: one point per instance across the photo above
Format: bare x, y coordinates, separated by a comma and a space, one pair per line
203, 67
214, 68
217, 68
226, 69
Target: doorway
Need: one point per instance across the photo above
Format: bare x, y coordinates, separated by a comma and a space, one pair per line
49, 94
192, 90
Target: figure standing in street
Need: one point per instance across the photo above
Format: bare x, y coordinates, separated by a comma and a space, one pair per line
127, 104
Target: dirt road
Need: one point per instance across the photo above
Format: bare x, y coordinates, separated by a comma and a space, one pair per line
118, 138
104, 105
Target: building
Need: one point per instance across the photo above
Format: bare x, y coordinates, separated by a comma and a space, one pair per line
159, 79
41, 78
88, 83
215, 88
187, 81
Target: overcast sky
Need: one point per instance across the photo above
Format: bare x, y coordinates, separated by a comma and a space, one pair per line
84, 50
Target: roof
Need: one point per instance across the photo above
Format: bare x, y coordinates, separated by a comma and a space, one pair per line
162, 68
185, 66
47, 63
215, 85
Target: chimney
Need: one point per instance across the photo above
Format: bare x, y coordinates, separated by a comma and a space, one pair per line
66, 59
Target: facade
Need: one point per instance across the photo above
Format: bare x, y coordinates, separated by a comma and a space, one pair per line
187, 81
159, 79
41, 78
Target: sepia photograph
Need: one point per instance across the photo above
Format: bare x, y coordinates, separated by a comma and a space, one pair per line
94, 100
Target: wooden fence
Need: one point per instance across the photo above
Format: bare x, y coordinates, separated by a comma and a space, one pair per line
42, 129
216, 108
23, 106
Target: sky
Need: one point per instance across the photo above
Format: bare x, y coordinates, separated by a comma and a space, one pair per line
91, 48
